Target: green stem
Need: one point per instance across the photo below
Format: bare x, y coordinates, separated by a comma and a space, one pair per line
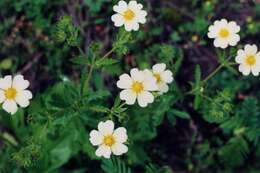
91, 69
223, 64
108, 53
80, 50
213, 73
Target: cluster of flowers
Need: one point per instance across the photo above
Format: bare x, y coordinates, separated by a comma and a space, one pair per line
140, 85
224, 34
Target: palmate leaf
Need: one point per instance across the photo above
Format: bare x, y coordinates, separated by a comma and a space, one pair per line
219, 108
115, 165
234, 152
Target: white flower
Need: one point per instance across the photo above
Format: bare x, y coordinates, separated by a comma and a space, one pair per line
13, 92
138, 86
109, 140
224, 33
162, 76
129, 15
249, 60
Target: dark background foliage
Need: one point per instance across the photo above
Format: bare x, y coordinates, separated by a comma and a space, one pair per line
215, 128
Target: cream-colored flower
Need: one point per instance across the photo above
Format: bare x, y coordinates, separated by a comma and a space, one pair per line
225, 33
109, 140
129, 15
249, 60
137, 86
163, 77
13, 92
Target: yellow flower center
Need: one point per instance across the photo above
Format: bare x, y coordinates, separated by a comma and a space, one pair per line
158, 77
10, 93
250, 60
224, 33
129, 15
109, 140
137, 87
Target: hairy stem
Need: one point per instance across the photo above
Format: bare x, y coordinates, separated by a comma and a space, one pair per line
213, 73
91, 69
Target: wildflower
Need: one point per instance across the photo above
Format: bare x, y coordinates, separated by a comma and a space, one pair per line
224, 33
138, 86
249, 60
129, 15
109, 140
13, 92
162, 76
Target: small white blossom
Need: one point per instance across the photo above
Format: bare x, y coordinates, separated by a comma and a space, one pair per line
163, 77
109, 140
225, 33
129, 15
248, 60
13, 92
137, 86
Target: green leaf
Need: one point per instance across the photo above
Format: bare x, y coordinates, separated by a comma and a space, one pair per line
81, 60
180, 114
197, 87
115, 165
234, 152
105, 62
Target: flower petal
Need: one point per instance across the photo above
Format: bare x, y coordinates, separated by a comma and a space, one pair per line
119, 149
125, 81
118, 19
245, 70
2, 96
144, 98
234, 39
120, 135
129, 26
167, 76
23, 98
104, 151
149, 81
251, 49
255, 70
163, 88
6, 82
240, 56
129, 96
19, 83
10, 106
150, 84
233, 27
222, 43
96, 138
141, 17
158, 68
137, 75
106, 128
121, 7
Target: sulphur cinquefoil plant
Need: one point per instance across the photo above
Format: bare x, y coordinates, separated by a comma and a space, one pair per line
120, 86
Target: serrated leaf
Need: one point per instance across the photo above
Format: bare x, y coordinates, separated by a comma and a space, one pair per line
105, 62
81, 60
180, 114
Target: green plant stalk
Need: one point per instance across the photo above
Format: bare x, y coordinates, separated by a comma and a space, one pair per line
91, 69
213, 73
223, 64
